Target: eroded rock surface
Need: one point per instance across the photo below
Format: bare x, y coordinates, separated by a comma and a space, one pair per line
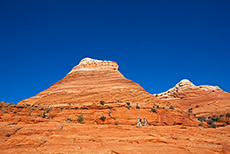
205, 100
92, 81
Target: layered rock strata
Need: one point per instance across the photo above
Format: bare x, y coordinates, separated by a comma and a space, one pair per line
92, 81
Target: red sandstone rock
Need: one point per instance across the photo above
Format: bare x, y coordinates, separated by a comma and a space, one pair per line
205, 100
92, 81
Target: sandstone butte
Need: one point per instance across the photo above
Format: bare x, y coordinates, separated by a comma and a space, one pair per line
94, 109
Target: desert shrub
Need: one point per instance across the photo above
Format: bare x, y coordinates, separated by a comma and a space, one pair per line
80, 119
44, 115
47, 111
128, 107
197, 105
153, 110
68, 118
8, 135
201, 124
38, 115
103, 118
128, 103
227, 122
153, 106
116, 122
174, 123
213, 125
209, 122
221, 115
102, 102
216, 118
137, 107
171, 107
163, 108
15, 111
69, 103
67, 108
76, 108
190, 110
61, 108
224, 125
157, 107
201, 118
110, 107
228, 115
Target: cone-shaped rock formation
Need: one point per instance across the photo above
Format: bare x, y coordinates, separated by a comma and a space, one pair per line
92, 81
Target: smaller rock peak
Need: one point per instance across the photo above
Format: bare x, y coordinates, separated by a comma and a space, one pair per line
89, 64
185, 82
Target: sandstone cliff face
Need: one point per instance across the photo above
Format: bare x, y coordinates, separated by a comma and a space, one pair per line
92, 81
205, 100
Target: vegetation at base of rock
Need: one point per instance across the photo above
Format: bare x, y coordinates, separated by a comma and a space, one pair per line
103, 118
201, 124
80, 119
228, 115
202, 118
213, 125
102, 102
190, 110
8, 135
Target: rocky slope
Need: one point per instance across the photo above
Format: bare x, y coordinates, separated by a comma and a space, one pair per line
204, 100
36, 129
92, 81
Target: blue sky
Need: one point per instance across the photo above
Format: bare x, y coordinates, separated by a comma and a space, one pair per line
156, 43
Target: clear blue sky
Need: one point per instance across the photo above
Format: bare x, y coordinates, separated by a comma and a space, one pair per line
156, 43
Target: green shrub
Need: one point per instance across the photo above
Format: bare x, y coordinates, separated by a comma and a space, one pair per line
103, 123
213, 125
110, 107
102, 102
201, 124
202, 118
116, 122
80, 118
153, 110
174, 123
163, 108
103, 118
8, 135
171, 107
137, 107
228, 115
227, 122
128, 103
197, 105
15, 111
